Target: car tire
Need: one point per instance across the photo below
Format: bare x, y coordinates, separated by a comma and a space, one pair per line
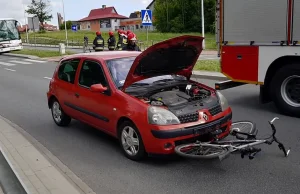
283, 97
59, 116
133, 142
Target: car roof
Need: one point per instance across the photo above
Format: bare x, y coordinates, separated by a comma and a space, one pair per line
105, 55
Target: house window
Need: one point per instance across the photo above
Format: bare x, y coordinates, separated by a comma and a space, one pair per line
137, 26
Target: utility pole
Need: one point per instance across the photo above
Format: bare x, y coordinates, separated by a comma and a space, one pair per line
65, 22
26, 25
202, 11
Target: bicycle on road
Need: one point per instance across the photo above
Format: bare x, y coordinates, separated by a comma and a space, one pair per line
244, 131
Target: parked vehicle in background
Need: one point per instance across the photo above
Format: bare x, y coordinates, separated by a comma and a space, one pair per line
10, 38
259, 43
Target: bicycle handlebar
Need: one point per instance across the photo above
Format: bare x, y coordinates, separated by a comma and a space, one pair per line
280, 145
273, 120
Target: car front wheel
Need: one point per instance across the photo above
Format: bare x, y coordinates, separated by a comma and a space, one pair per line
131, 141
59, 116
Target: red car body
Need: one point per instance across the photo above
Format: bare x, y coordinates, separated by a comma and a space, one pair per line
107, 107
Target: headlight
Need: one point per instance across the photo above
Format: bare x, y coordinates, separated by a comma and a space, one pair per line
223, 101
160, 116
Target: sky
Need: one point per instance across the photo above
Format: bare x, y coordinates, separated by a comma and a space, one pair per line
73, 11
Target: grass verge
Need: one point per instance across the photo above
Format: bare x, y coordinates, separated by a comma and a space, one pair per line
40, 53
208, 65
76, 38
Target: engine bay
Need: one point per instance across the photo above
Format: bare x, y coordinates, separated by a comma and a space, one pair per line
184, 99
178, 96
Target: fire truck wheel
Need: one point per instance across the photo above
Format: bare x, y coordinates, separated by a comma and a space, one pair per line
285, 90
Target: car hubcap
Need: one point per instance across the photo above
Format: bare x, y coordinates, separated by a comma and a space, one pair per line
56, 111
290, 90
130, 141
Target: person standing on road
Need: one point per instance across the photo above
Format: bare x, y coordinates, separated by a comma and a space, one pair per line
131, 46
98, 42
111, 41
122, 40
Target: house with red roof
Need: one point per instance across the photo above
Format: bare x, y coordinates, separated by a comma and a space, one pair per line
103, 19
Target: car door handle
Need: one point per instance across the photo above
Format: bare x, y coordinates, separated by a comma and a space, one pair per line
77, 95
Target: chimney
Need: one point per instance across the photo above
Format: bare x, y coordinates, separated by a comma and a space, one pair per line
103, 6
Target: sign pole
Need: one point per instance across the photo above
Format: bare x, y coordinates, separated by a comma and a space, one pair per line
147, 37
25, 25
202, 11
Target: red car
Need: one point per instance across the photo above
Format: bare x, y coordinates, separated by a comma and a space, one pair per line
145, 99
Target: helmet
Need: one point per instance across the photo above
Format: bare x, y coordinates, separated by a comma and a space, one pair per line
120, 31
128, 32
111, 33
131, 36
98, 33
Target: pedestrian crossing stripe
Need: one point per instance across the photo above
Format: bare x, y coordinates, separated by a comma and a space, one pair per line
20, 62
36, 61
7, 64
147, 19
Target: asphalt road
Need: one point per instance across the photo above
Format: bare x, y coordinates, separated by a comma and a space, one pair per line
98, 161
202, 57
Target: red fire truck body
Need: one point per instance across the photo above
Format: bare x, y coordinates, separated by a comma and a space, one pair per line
259, 43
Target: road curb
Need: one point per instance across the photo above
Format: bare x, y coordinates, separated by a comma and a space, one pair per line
63, 169
22, 56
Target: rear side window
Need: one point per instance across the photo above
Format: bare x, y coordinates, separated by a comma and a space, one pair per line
67, 70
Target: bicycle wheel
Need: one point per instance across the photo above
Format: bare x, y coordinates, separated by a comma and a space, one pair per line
197, 151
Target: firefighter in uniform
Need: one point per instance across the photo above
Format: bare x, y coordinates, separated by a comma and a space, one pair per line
98, 42
111, 41
131, 46
122, 40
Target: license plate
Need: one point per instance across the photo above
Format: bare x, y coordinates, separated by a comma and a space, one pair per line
206, 130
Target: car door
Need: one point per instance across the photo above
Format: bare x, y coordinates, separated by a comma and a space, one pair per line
95, 108
65, 86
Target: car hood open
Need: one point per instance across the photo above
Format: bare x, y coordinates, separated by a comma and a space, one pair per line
174, 56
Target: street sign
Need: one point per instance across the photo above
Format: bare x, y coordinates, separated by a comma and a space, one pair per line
74, 28
146, 17
33, 23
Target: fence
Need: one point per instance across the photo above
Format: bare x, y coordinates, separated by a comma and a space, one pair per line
210, 43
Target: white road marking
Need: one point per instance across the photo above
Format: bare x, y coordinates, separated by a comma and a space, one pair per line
36, 61
9, 69
7, 64
21, 62
47, 78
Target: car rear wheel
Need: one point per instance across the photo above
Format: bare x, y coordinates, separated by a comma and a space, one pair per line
59, 116
131, 141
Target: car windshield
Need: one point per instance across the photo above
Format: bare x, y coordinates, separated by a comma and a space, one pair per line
8, 30
119, 69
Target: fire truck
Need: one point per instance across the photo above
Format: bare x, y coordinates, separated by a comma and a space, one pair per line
259, 43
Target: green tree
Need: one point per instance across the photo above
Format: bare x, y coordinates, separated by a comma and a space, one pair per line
40, 9
183, 15
68, 24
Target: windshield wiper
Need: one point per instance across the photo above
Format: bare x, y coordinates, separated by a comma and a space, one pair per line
164, 80
136, 84
139, 84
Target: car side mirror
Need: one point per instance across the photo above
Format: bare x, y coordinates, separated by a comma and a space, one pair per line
98, 88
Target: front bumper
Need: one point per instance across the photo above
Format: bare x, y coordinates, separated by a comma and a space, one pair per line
164, 141
194, 130
7, 49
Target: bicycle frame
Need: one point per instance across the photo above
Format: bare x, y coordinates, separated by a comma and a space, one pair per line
247, 144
